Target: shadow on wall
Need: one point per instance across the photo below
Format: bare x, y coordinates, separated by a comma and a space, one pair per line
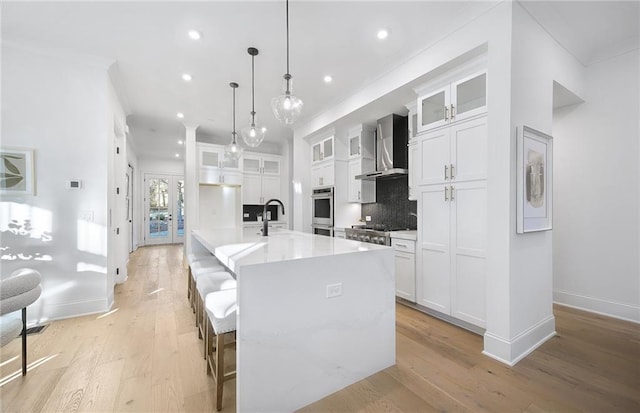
68, 274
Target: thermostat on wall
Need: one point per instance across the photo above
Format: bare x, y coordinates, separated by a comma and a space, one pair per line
74, 184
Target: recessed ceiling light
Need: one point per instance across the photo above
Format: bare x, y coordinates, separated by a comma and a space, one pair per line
180, 115
180, 142
177, 155
382, 34
328, 79
186, 77
195, 35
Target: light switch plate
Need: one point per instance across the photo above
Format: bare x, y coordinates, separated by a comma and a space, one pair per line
334, 290
367, 218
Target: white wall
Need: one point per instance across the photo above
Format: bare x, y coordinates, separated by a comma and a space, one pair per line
595, 235
58, 106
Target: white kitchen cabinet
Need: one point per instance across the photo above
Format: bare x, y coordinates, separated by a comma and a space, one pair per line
358, 190
456, 101
361, 142
405, 264
453, 154
322, 150
215, 168
323, 174
261, 178
452, 231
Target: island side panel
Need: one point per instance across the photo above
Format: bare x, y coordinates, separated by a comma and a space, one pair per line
295, 345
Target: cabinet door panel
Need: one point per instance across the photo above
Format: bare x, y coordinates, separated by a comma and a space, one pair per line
271, 167
434, 154
316, 153
251, 189
251, 164
434, 278
270, 187
354, 186
468, 244
210, 176
327, 151
209, 158
469, 96
432, 109
469, 150
414, 168
406, 276
354, 146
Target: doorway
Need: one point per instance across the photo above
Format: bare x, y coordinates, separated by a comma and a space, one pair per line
164, 206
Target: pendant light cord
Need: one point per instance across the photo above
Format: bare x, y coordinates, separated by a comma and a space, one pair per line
253, 93
234, 115
287, 36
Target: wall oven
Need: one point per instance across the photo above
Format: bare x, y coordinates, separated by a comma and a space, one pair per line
322, 207
322, 230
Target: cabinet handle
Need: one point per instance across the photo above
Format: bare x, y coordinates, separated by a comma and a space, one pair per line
446, 172
397, 244
453, 171
446, 193
451, 195
358, 195
453, 112
446, 113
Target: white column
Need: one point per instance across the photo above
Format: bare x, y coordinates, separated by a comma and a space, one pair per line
190, 184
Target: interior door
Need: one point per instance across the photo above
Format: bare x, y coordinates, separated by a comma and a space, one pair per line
130, 206
164, 201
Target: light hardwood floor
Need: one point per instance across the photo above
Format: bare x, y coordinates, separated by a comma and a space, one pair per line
146, 356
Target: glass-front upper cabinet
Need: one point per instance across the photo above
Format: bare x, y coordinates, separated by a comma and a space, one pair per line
455, 101
354, 146
322, 150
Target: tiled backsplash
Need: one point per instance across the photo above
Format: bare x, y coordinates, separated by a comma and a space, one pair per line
392, 206
253, 211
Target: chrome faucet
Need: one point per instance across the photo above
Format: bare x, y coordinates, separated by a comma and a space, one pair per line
265, 220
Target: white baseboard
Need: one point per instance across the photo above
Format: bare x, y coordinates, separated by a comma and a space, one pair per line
512, 351
622, 311
53, 312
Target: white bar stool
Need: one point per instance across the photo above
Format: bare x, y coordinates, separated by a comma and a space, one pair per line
221, 310
208, 283
200, 267
191, 258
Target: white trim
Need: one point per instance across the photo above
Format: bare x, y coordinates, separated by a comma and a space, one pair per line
72, 310
609, 308
512, 351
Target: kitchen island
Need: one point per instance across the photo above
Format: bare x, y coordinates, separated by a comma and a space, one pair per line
315, 314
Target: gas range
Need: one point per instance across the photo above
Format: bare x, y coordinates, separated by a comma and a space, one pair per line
374, 234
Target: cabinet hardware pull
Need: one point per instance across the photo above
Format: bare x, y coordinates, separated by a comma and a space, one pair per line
453, 112
453, 171
446, 113
451, 195
446, 172
401, 245
446, 193
358, 195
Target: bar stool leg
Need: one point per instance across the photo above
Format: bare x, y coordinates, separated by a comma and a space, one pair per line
24, 341
219, 370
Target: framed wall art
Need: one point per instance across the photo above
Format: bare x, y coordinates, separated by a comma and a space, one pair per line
17, 173
535, 180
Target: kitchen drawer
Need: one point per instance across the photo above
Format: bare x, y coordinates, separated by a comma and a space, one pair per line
403, 245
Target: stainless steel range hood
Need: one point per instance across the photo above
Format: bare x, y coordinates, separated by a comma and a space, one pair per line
392, 137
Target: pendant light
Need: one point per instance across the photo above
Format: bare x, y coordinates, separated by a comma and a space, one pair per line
253, 135
287, 107
233, 151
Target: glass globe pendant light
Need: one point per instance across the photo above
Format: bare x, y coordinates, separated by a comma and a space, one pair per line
253, 135
287, 107
233, 151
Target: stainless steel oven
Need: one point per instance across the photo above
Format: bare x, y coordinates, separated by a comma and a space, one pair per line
322, 206
322, 230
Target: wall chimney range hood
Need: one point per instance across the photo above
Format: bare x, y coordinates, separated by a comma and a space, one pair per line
392, 137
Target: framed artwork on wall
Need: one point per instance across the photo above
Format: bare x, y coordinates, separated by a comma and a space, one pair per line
535, 179
17, 172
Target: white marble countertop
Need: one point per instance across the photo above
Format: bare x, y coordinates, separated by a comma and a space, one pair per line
234, 249
411, 235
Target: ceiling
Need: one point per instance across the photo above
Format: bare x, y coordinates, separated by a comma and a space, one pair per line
149, 42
